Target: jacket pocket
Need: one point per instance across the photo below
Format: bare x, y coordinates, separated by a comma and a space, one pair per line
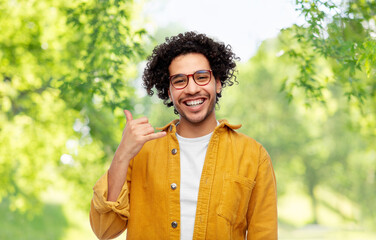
236, 192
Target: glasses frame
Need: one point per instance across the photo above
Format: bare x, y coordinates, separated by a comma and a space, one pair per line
189, 75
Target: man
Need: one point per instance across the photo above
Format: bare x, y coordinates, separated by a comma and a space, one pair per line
196, 179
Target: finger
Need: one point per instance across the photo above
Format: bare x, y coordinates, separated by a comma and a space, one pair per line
153, 136
128, 115
141, 120
145, 130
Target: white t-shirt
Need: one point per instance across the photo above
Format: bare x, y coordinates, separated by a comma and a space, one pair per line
192, 157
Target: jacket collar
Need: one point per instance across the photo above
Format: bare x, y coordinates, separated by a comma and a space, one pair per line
222, 123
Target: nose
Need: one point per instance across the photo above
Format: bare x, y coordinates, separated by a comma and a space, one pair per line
192, 87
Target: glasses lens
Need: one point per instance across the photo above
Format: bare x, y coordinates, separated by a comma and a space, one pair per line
179, 81
202, 77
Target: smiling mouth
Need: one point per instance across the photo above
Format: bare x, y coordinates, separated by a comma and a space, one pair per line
194, 103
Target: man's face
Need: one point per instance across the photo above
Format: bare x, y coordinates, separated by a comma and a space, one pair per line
194, 103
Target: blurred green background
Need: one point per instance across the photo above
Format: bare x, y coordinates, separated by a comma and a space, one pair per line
67, 69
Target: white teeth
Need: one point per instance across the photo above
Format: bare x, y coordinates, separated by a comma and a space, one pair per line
195, 102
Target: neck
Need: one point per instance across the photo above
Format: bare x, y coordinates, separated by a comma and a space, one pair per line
193, 130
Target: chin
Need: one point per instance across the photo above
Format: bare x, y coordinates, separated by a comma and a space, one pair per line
201, 117
195, 120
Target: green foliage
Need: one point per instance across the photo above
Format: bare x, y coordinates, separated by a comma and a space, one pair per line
345, 35
105, 45
64, 72
50, 224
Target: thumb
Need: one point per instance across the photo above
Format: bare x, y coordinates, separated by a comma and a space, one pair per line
128, 115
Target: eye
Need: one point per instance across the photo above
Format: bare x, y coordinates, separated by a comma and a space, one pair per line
178, 80
202, 76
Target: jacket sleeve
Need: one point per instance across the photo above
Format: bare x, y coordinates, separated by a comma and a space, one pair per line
262, 210
109, 219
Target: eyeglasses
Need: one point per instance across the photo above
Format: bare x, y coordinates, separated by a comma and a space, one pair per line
201, 78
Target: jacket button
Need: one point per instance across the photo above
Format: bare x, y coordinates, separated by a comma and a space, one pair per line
173, 186
174, 151
174, 224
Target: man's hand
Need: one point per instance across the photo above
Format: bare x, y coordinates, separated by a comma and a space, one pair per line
136, 133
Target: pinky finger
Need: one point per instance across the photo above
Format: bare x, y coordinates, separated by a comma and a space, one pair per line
153, 136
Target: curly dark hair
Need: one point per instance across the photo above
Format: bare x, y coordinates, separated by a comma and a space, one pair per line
220, 56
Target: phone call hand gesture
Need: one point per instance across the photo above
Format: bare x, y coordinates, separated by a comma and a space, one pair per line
136, 133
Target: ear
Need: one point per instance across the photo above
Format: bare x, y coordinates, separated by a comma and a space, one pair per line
218, 87
169, 94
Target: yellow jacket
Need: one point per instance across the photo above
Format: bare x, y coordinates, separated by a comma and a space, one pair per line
237, 192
